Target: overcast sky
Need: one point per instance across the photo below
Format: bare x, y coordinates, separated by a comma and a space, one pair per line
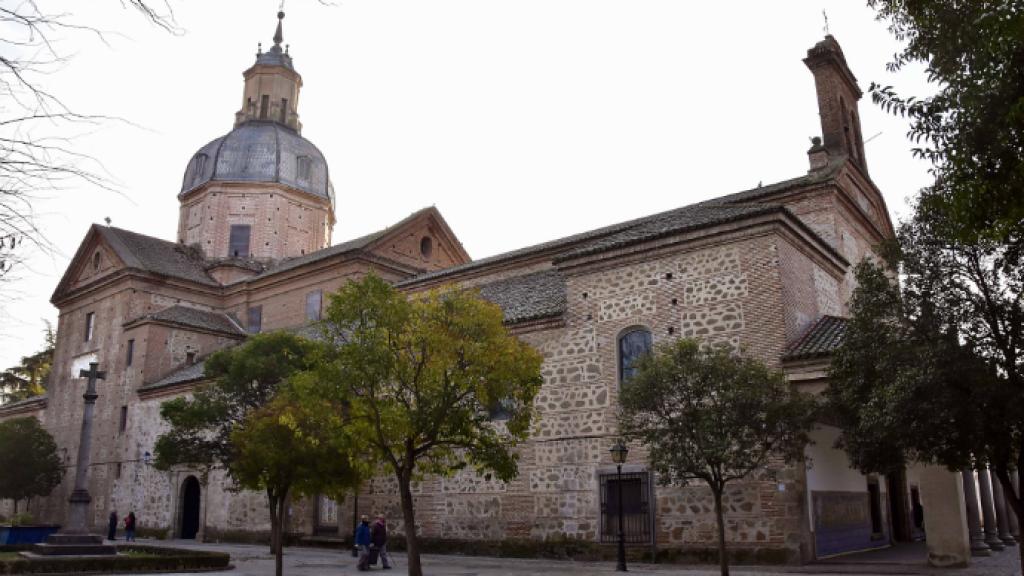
522, 121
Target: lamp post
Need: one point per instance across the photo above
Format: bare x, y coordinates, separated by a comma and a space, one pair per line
619, 452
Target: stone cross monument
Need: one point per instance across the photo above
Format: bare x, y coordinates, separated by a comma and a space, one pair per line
75, 538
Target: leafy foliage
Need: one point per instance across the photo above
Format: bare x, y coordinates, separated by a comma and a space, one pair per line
289, 448
972, 129
931, 370
421, 376
29, 378
28, 457
245, 378
903, 387
706, 414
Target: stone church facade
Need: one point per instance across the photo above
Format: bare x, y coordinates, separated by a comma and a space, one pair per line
767, 271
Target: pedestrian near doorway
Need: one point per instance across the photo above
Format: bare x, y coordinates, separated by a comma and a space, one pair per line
129, 527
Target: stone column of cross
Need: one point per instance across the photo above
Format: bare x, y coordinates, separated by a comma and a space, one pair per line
79, 501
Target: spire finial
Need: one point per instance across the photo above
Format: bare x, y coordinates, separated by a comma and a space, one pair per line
278, 35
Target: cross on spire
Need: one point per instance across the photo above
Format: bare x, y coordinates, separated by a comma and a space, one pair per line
823, 14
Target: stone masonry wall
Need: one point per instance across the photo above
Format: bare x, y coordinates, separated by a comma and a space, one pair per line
728, 293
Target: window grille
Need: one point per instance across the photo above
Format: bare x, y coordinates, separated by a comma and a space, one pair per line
636, 507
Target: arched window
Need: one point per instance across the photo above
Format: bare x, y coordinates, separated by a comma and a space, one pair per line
633, 344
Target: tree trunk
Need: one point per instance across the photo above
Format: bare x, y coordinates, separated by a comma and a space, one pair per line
279, 554
412, 546
1014, 502
723, 560
275, 520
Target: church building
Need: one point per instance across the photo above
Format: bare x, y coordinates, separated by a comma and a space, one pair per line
768, 271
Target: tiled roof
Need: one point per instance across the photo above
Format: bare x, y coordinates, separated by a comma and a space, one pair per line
752, 195
821, 339
528, 297
710, 212
196, 318
189, 373
159, 256
668, 223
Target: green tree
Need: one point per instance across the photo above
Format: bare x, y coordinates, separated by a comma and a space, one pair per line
244, 379
291, 448
972, 128
708, 415
29, 378
28, 457
423, 376
931, 368
903, 387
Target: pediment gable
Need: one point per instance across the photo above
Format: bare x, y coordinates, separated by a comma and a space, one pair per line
423, 241
94, 260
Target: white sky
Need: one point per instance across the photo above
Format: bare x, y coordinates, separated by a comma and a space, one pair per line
522, 121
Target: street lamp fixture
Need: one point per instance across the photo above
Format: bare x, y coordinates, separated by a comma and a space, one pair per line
619, 453
147, 458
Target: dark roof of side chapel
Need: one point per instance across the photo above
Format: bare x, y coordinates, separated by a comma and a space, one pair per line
155, 255
23, 402
196, 318
190, 373
707, 213
528, 297
821, 339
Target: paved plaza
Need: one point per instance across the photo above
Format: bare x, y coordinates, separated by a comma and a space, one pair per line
256, 561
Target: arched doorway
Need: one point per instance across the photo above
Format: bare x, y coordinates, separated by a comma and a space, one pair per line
189, 508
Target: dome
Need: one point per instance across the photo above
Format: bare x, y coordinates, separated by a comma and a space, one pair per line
261, 152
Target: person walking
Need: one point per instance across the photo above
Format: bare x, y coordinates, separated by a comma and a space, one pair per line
362, 540
129, 527
379, 540
112, 526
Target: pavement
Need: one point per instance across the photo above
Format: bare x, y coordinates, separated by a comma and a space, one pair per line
250, 560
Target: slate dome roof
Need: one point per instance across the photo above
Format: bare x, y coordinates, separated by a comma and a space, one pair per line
260, 152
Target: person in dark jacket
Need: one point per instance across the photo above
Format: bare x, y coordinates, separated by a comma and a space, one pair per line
129, 527
363, 542
379, 540
112, 526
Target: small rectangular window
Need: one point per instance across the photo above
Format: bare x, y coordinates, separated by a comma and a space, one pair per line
238, 242
264, 105
190, 357
284, 111
255, 323
129, 354
117, 471
90, 320
123, 422
313, 301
